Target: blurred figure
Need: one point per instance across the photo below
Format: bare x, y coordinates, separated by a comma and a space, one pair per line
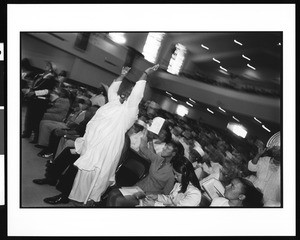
266, 164
239, 193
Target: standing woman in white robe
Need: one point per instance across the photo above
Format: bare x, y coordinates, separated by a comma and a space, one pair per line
100, 147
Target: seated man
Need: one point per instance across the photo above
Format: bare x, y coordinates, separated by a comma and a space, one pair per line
61, 173
47, 126
160, 178
239, 193
76, 130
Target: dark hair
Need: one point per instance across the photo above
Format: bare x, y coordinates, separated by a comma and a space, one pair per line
273, 152
177, 148
184, 166
253, 196
63, 73
168, 134
25, 64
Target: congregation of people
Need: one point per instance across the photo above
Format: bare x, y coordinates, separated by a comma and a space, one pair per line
86, 135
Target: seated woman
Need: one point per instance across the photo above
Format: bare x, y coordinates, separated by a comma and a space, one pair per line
186, 192
47, 126
160, 178
239, 193
158, 142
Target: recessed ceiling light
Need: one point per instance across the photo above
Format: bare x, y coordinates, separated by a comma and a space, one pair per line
251, 66
238, 42
223, 68
264, 127
189, 104
204, 47
216, 60
279, 44
192, 100
222, 109
246, 57
256, 120
235, 118
174, 99
209, 110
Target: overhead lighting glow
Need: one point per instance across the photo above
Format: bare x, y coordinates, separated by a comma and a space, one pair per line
118, 37
204, 47
235, 118
223, 69
251, 66
264, 127
238, 42
182, 110
168, 93
222, 109
237, 129
256, 120
192, 100
174, 99
279, 44
216, 60
209, 110
189, 104
246, 57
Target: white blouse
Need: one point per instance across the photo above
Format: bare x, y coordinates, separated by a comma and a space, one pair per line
190, 198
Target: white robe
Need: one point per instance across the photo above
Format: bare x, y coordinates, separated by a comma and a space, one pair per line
100, 147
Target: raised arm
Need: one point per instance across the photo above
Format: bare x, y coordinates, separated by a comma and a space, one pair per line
138, 90
114, 87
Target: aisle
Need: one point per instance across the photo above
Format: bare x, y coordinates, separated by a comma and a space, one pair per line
32, 167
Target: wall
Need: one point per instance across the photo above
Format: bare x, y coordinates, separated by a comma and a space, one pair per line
88, 66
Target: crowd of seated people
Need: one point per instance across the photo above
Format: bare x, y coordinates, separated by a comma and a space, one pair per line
181, 145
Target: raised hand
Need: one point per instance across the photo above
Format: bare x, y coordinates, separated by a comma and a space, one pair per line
152, 69
125, 70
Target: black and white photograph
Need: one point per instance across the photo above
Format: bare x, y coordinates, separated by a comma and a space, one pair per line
150, 122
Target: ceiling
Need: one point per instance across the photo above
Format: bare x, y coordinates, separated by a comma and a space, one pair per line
264, 49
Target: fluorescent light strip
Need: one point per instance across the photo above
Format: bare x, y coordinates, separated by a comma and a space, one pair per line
223, 68
238, 42
209, 110
216, 60
168, 93
189, 104
266, 128
235, 118
222, 109
246, 57
174, 99
256, 120
251, 66
204, 47
192, 100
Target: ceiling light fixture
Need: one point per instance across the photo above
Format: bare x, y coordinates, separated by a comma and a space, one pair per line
174, 99
251, 66
216, 60
222, 109
256, 120
204, 47
168, 93
279, 44
192, 100
189, 104
235, 118
266, 128
223, 69
246, 57
238, 42
209, 110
